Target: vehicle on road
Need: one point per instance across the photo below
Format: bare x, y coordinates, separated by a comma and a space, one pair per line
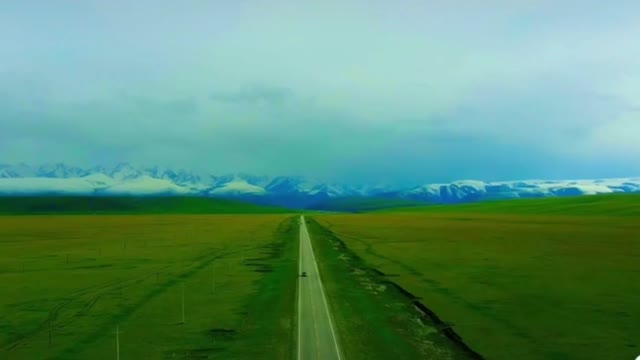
304, 274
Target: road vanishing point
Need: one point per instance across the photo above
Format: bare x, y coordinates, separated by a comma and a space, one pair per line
316, 334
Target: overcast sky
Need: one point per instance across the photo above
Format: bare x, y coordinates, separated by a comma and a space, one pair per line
394, 91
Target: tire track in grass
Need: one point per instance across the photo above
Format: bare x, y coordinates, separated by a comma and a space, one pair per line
76, 305
76, 300
128, 311
68, 301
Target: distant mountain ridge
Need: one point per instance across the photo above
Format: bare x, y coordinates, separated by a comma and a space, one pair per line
290, 191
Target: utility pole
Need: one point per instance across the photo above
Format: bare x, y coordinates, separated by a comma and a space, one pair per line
49, 328
118, 342
183, 322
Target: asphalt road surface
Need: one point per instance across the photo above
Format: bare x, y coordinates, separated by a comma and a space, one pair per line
316, 334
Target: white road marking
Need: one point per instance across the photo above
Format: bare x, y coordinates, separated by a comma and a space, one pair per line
304, 232
299, 297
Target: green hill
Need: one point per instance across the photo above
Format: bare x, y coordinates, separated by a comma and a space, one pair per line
128, 205
364, 204
607, 204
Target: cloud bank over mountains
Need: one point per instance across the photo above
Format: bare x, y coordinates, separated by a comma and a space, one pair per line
289, 191
347, 91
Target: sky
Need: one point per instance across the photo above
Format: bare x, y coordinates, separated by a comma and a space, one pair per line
360, 91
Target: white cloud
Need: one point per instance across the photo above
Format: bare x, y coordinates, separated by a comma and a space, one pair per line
424, 88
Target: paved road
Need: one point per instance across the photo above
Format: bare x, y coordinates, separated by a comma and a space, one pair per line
316, 335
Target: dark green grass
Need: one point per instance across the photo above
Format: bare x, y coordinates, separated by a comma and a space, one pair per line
364, 204
520, 285
269, 327
75, 279
373, 319
128, 205
603, 205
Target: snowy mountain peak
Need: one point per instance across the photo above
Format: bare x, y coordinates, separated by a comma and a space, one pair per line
294, 191
60, 171
14, 171
124, 171
237, 187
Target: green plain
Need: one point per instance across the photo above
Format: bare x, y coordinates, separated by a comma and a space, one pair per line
55, 205
600, 205
527, 279
373, 319
69, 282
364, 204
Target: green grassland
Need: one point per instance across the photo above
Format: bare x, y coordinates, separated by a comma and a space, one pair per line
602, 205
364, 204
68, 282
373, 319
128, 205
528, 279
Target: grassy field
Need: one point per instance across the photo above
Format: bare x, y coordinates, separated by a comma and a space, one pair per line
517, 285
601, 205
374, 320
69, 282
364, 204
128, 205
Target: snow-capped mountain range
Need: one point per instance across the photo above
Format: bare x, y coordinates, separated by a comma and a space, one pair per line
125, 179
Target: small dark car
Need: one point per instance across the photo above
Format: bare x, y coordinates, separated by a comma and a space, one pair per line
304, 274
